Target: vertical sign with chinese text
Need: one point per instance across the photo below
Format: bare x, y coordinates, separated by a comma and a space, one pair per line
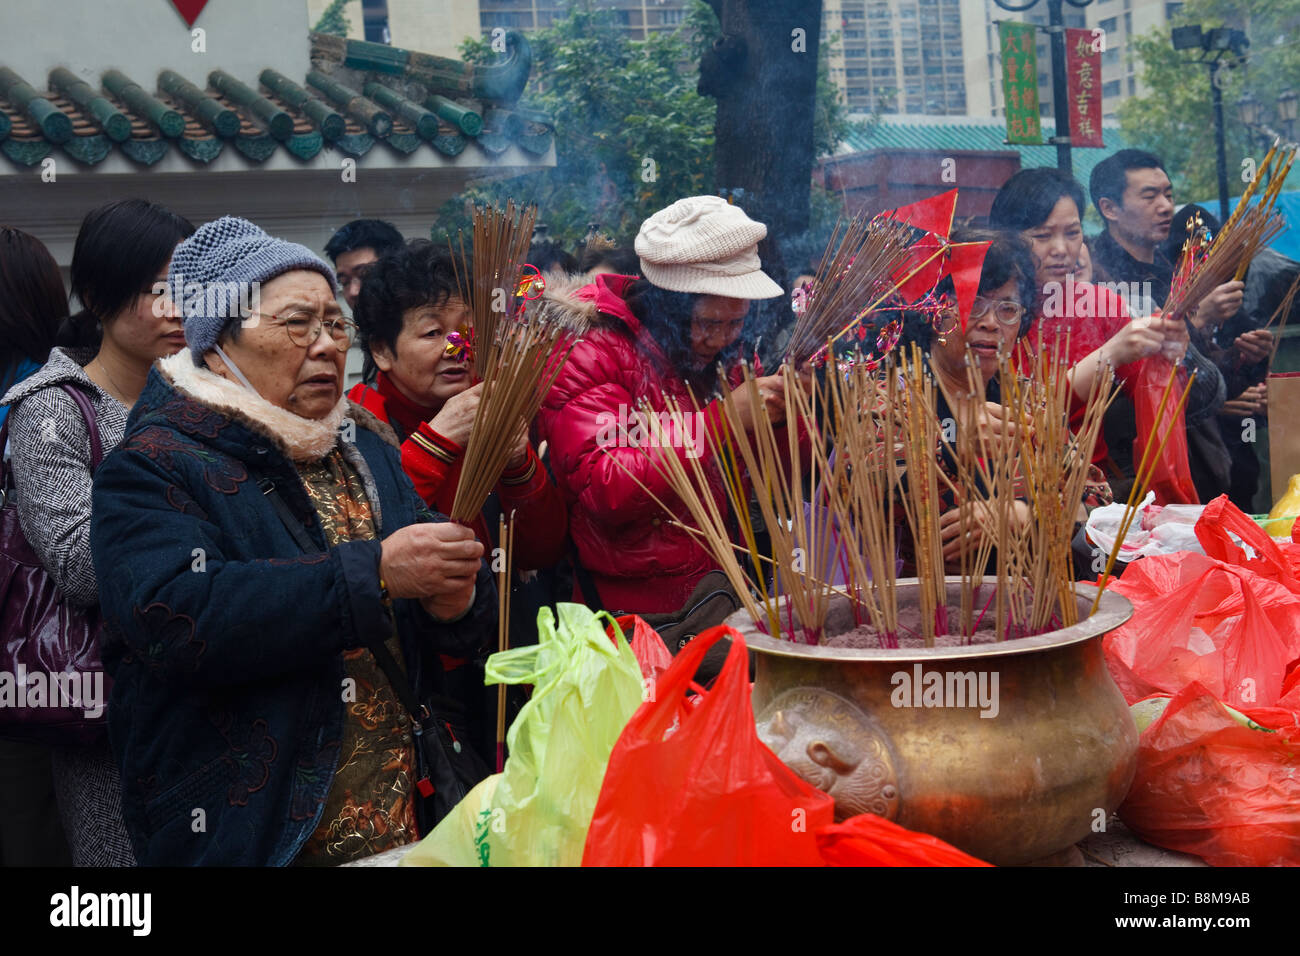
1083, 73
1020, 82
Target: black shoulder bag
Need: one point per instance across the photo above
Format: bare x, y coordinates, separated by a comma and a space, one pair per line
447, 766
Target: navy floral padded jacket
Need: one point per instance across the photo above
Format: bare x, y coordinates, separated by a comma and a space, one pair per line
225, 641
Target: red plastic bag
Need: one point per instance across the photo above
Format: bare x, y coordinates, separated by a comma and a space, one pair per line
1171, 477
694, 786
648, 647
1208, 785
1213, 528
869, 840
1196, 619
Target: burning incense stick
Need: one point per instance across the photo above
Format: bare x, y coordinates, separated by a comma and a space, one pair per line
489, 284
506, 541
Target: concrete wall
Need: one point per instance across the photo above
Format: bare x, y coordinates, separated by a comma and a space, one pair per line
142, 37
433, 26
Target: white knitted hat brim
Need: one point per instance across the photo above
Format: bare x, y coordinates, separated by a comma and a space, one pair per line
704, 244
682, 278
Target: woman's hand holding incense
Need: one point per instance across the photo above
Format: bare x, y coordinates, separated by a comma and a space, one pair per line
435, 562
519, 457
771, 390
994, 428
1136, 340
956, 535
1220, 305
456, 419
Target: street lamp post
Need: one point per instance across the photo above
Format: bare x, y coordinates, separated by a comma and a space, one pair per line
1060, 92
1251, 113
1214, 46
1287, 106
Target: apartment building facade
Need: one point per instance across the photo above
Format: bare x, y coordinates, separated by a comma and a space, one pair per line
898, 56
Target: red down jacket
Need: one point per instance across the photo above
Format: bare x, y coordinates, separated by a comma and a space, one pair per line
640, 562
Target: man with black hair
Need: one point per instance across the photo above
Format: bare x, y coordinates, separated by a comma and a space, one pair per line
1133, 193
354, 247
1135, 198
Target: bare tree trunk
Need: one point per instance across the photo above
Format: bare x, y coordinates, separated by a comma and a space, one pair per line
763, 73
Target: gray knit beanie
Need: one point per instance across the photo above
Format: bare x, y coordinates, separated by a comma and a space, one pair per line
213, 271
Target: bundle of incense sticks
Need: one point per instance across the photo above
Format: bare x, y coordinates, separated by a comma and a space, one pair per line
489, 284
1155, 447
861, 461
529, 353
1202, 268
1055, 464
1276, 165
768, 455
860, 258
875, 438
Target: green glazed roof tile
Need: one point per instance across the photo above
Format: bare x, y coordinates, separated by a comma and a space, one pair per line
425, 102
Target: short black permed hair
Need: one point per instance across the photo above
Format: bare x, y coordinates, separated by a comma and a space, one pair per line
375, 234
1027, 199
418, 273
1110, 177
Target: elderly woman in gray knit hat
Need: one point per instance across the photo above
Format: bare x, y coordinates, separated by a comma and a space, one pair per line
651, 340
276, 592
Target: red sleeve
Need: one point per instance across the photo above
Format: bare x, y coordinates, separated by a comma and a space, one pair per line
541, 518
595, 462
429, 459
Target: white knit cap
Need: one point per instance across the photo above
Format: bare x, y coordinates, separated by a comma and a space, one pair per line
704, 244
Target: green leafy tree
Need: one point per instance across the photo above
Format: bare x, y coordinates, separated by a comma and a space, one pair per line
334, 21
1175, 119
631, 133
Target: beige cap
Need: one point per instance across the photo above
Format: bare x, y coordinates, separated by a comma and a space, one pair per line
704, 244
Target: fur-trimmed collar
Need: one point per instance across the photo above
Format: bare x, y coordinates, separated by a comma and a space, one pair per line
300, 439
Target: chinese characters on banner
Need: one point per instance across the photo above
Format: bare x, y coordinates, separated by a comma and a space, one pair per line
1083, 70
1020, 82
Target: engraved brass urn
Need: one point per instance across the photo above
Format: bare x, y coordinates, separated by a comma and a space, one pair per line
1011, 751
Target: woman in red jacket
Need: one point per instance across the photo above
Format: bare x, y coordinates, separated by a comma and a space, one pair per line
408, 304
647, 341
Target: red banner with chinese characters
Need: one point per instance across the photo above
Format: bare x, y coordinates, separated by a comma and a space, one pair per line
1020, 82
1083, 72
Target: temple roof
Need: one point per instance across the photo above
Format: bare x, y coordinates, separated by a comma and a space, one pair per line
354, 97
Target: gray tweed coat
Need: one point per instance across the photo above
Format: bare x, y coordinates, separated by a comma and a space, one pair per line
49, 448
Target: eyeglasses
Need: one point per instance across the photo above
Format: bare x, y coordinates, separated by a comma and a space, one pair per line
1006, 311
304, 328
712, 327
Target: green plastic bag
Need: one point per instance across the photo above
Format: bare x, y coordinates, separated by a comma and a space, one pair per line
537, 811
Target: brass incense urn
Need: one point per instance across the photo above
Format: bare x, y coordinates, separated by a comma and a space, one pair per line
1011, 751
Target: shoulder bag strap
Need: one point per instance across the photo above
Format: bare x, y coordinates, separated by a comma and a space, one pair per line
92, 424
